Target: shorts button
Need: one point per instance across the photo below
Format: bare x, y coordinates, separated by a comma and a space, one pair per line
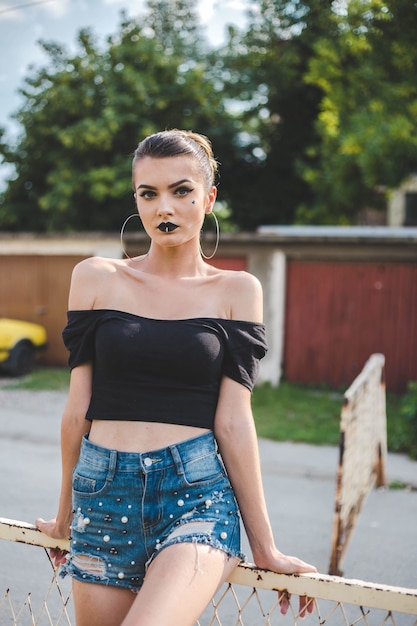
147, 461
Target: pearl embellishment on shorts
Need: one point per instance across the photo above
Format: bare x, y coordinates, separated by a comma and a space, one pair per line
194, 506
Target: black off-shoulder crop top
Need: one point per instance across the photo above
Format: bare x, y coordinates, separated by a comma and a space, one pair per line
161, 370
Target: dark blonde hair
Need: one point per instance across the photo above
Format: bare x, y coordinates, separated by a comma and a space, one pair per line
174, 142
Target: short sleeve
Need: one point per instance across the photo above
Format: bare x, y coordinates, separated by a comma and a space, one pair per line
245, 347
79, 336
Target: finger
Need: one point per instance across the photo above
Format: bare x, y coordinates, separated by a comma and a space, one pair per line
302, 567
294, 565
61, 559
284, 602
58, 557
306, 604
311, 605
44, 526
39, 523
302, 606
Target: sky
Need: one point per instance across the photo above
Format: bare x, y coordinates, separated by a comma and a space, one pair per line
24, 22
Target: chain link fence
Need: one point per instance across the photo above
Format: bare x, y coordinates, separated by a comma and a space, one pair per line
251, 597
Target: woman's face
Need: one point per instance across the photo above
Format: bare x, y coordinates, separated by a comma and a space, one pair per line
171, 198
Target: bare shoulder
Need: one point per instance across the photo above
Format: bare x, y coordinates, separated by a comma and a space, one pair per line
94, 268
89, 277
244, 293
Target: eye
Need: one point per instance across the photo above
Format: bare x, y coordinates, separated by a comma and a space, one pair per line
147, 193
183, 191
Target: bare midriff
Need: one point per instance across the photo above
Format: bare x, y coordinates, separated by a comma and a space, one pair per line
140, 436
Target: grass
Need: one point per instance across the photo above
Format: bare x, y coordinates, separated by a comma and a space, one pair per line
285, 413
295, 413
41, 379
310, 415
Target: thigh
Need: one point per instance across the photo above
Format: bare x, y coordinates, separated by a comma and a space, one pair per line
179, 584
99, 605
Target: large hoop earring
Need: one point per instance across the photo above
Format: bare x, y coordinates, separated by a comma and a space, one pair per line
210, 256
122, 230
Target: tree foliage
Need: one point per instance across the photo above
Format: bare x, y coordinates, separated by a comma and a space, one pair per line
368, 114
312, 110
83, 115
263, 70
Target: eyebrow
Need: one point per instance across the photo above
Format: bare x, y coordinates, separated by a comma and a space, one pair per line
178, 182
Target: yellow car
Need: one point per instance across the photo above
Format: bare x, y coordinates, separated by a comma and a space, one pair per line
19, 344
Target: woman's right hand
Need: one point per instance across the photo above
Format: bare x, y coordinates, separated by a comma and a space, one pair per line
56, 531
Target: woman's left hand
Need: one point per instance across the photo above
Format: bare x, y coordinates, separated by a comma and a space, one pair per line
283, 564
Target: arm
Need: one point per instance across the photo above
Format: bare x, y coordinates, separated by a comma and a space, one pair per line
236, 435
73, 427
73, 424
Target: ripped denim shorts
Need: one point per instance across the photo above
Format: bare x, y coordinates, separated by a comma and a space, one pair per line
128, 506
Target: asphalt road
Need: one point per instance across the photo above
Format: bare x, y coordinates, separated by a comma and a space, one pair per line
299, 483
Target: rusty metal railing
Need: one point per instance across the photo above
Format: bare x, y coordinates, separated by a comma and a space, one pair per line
362, 452
250, 597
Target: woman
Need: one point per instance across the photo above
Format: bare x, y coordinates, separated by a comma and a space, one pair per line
164, 351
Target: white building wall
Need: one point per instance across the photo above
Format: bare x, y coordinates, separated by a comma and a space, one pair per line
269, 268
396, 203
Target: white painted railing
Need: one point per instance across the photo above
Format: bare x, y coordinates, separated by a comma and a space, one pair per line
250, 598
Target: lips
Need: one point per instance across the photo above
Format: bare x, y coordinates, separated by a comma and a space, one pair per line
167, 227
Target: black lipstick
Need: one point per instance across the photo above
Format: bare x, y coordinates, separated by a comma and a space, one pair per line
167, 227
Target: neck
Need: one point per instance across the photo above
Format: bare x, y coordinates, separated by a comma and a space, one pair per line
174, 262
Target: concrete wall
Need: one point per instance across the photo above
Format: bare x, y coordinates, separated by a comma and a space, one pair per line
267, 254
269, 267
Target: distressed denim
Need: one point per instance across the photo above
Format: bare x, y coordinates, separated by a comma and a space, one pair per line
127, 507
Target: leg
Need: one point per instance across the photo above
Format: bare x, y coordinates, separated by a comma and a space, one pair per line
179, 584
100, 605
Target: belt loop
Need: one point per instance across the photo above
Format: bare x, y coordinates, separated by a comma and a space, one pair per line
112, 464
177, 459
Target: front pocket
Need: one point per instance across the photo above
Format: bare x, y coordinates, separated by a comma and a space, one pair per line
201, 470
88, 484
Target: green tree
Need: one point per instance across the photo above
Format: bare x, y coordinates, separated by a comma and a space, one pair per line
312, 112
263, 71
83, 114
368, 114
175, 24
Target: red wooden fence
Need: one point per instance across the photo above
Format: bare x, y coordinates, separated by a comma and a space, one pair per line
338, 313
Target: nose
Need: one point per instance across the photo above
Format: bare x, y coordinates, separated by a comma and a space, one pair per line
164, 206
